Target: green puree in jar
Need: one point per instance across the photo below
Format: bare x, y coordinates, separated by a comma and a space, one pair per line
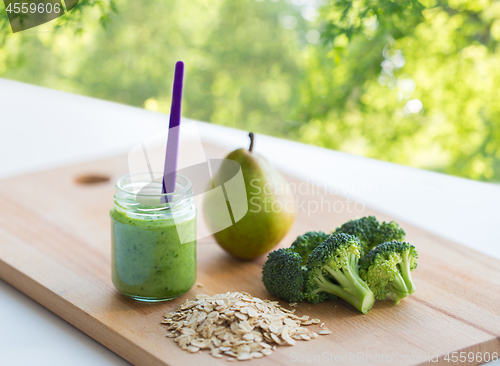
149, 261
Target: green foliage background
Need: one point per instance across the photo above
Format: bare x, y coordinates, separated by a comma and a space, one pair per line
414, 82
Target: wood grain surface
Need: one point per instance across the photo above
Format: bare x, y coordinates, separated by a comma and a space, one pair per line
55, 247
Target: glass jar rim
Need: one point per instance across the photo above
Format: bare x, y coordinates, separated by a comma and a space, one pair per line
186, 187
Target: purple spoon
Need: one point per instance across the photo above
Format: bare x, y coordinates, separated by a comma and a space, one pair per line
170, 170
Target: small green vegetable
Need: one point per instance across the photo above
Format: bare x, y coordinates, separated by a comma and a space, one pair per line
332, 270
306, 243
283, 275
319, 267
386, 269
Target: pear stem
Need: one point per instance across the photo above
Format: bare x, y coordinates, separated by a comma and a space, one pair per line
251, 141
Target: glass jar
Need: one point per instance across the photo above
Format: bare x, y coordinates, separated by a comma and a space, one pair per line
153, 238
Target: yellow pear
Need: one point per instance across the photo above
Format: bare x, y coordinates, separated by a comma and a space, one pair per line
270, 202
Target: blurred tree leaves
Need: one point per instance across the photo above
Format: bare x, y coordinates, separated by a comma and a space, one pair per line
409, 81
412, 82
349, 18
241, 63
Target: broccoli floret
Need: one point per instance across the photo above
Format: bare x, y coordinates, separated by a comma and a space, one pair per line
386, 270
283, 275
306, 243
388, 231
362, 228
371, 232
332, 270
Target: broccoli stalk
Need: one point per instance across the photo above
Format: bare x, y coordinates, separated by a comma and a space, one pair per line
332, 270
283, 275
409, 263
386, 269
397, 289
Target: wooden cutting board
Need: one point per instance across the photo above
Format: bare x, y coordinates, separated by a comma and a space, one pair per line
55, 247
